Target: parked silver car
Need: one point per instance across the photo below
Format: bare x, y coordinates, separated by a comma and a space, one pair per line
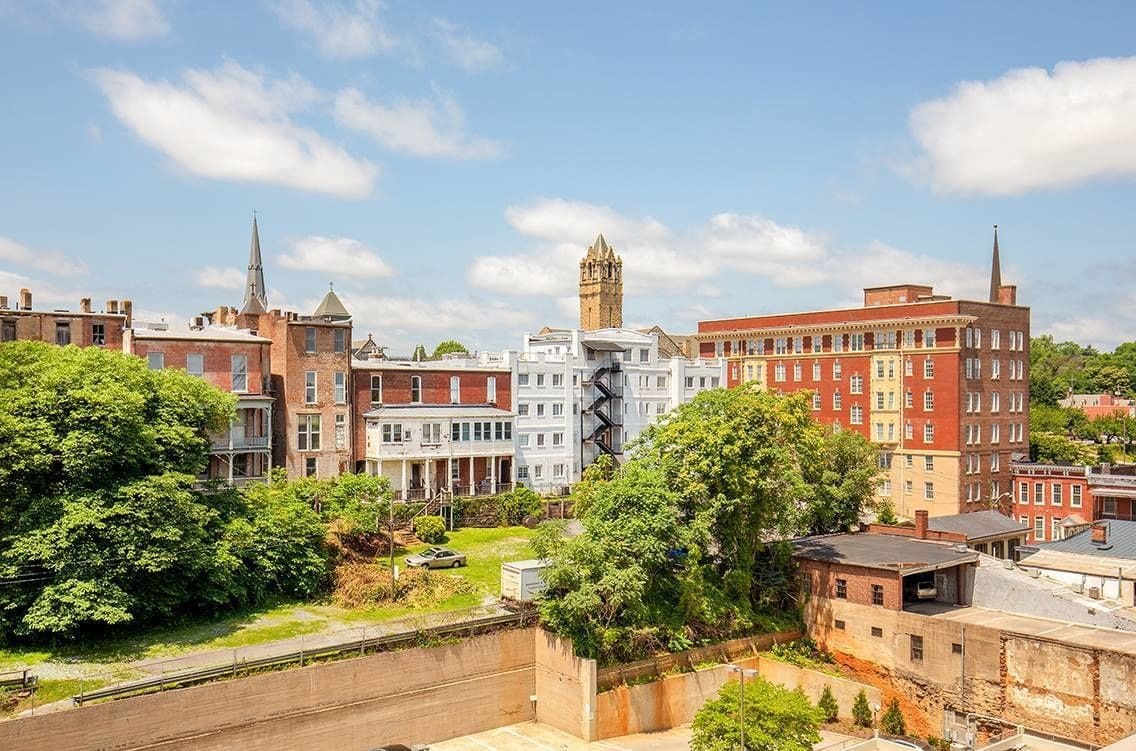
436, 558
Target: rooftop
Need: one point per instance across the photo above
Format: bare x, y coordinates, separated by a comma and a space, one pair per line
977, 525
1119, 541
438, 410
881, 551
207, 333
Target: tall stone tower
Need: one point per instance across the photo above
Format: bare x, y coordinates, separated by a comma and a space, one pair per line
601, 288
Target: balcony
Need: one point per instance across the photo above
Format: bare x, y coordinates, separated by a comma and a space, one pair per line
240, 443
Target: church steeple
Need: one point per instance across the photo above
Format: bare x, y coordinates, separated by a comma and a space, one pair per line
995, 270
601, 287
256, 299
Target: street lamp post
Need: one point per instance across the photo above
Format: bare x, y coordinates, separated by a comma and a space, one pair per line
742, 673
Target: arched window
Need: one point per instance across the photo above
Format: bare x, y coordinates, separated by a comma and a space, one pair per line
416, 389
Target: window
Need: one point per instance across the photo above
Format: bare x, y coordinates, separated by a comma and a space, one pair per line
928, 337
524, 439
877, 594
879, 400
644, 356
522, 471
540, 380
908, 432
690, 379
928, 400
908, 487
778, 373
392, 432
877, 632
798, 344
929, 433
796, 371
879, 368
816, 342
842, 589
855, 342
928, 464
836, 370
856, 416
491, 389
98, 334
62, 333
856, 384
1108, 507
310, 339
155, 360
928, 491
310, 387
557, 409
661, 382
557, 380
540, 440
836, 401
1038, 493
416, 389
557, 439
908, 400
1075, 496
538, 471
995, 338
956, 648
341, 431
308, 438
995, 465
558, 469
995, 402
195, 364
8, 331
816, 371
540, 409
907, 367
838, 624
995, 369
838, 343
239, 369
376, 389
916, 648
339, 341
780, 346
928, 368
816, 401
523, 379
310, 466
455, 389
1039, 528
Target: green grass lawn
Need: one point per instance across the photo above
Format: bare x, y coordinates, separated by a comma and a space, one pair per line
485, 549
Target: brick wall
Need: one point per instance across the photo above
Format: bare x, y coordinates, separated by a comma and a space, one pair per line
41, 327
822, 583
216, 358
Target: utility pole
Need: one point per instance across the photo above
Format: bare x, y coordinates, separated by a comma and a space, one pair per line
390, 528
742, 673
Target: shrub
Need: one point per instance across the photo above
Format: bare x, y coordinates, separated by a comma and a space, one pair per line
861, 712
892, 722
827, 705
514, 506
885, 513
431, 529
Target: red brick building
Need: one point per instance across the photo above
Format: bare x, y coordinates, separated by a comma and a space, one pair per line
232, 360
83, 328
1100, 405
941, 385
435, 427
1058, 500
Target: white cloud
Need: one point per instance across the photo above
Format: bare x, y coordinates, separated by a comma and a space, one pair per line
233, 124
578, 222
337, 30
530, 275
51, 261
336, 255
787, 256
407, 319
424, 127
1030, 129
467, 51
880, 264
125, 20
218, 278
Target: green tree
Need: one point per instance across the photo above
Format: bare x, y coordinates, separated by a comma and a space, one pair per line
419, 354
885, 513
846, 484
775, 719
861, 712
892, 721
1051, 447
827, 705
448, 347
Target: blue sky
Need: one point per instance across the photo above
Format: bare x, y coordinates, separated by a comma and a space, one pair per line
446, 164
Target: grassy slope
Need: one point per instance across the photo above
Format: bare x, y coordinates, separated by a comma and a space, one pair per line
485, 548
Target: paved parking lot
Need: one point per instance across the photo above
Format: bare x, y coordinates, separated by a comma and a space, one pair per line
533, 736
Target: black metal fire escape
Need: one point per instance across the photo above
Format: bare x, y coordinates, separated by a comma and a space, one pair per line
606, 409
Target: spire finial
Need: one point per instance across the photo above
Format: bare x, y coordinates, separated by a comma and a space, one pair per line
995, 270
331, 286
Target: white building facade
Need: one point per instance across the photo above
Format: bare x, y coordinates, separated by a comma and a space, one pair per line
581, 394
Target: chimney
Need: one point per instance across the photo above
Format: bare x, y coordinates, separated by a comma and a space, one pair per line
921, 524
128, 311
85, 305
1008, 294
112, 306
25, 299
3, 302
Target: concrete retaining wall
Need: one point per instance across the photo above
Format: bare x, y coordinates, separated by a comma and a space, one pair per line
812, 682
410, 696
565, 687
